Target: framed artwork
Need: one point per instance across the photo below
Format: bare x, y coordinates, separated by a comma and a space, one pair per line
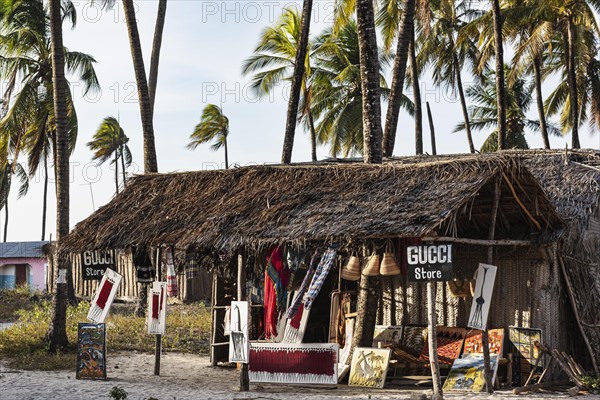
156, 317
294, 363
484, 288
104, 296
91, 351
473, 342
369, 367
449, 344
467, 374
387, 336
238, 338
413, 339
525, 354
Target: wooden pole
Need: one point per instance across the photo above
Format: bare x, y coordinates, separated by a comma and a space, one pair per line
431, 129
490, 257
214, 323
157, 348
432, 341
241, 296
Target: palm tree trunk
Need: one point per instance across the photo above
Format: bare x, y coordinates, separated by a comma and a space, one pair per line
369, 82
116, 172
311, 124
431, 130
463, 102
298, 77
398, 76
574, 100
156, 45
366, 307
150, 163
6, 214
57, 333
226, 152
500, 87
417, 98
537, 76
45, 200
123, 172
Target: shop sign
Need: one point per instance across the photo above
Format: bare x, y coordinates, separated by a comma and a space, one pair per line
95, 262
429, 262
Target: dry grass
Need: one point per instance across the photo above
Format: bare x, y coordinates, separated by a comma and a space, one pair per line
24, 346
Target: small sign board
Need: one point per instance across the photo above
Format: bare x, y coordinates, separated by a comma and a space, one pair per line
429, 262
91, 351
484, 288
95, 262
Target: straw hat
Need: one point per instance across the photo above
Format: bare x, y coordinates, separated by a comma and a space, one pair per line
389, 265
351, 271
372, 268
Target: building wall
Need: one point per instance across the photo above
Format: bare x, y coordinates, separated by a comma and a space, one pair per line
36, 272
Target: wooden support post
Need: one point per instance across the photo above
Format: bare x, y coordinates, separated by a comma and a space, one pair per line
490, 258
241, 296
213, 315
432, 341
157, 348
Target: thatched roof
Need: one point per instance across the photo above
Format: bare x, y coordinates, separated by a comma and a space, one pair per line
260, 205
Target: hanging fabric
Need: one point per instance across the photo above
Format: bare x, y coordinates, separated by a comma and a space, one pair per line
172, 288
291, 312
276, 280
319, 277
145, 271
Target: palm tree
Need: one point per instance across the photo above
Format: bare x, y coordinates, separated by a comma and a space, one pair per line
500, 85
57, 332
10, 168
213, 127
484, 112
110, 139
145, 103
26, 64
446, 50
297, 79
156, 45
336, 90
273, 60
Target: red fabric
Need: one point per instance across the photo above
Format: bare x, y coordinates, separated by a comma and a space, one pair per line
154, 306
162, 293
290, 361
104, 294
270, 298
295, 322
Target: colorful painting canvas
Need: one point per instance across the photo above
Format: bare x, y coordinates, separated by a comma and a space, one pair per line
91, 351
449, 344
473, 342
467, 374
239, 348
294, 363
522, 346
387, 336
369, 367
156, 318
484, 288
104, 296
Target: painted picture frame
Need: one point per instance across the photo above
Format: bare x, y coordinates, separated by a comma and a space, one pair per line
91, 351
388, 336
484, 289
369, 367
104, 296
156, 317
467, 374
239, 343
525, 354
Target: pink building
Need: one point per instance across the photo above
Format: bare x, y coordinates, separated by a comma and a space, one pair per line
23, 263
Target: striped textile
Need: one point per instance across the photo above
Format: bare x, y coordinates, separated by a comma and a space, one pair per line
293, 309
319, 277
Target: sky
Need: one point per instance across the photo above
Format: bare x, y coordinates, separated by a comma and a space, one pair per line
204, 45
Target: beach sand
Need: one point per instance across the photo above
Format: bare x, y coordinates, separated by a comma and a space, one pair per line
185, 376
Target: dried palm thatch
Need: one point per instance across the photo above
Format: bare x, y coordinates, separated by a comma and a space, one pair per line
256, 206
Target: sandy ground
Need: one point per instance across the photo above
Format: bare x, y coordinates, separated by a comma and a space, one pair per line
186, 376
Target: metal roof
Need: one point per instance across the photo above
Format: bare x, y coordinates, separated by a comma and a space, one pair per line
22, 249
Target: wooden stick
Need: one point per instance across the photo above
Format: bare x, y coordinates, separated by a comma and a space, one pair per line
432, 341
537, 362
213, 314
158, 345
241, 296
566, 369
538, 386
520, 203
479, 242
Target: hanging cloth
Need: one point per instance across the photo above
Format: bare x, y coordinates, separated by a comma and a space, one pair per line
291, 312
319, 278
172, 288
145, 271
276, 280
